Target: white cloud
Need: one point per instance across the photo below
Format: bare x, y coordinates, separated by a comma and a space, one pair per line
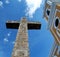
32, 6
19, 0
5, 40
1, 4
7, 1
13, 42
8, 34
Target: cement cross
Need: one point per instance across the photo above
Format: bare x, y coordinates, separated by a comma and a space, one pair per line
21, 47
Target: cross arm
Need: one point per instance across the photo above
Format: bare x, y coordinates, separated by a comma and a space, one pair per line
34, 25
15, 25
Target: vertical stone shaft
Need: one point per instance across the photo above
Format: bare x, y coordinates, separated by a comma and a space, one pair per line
21, 47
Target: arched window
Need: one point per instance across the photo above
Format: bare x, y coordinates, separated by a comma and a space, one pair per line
47, 12
56, 22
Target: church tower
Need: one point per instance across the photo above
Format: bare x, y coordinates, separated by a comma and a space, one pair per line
52, 16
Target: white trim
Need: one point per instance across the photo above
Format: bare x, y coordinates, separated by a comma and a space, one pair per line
58, 50
51, 16
49, 2
45, 19
52, 51
58, 33
57, 10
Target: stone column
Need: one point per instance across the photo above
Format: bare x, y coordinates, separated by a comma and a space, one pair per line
21, 47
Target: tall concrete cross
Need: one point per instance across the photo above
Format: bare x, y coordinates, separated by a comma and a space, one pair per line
21, 47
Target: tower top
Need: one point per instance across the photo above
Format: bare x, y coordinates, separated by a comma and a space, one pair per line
55, 1
23, 18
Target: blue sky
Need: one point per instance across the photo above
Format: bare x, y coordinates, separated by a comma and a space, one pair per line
40, 41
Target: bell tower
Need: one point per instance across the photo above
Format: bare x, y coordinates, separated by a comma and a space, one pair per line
52, 16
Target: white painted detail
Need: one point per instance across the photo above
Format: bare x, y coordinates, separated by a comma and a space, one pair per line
58, 33
58, 52
51, 16
49, 2
55, 56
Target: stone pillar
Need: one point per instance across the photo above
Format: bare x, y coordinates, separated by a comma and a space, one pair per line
21, 47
